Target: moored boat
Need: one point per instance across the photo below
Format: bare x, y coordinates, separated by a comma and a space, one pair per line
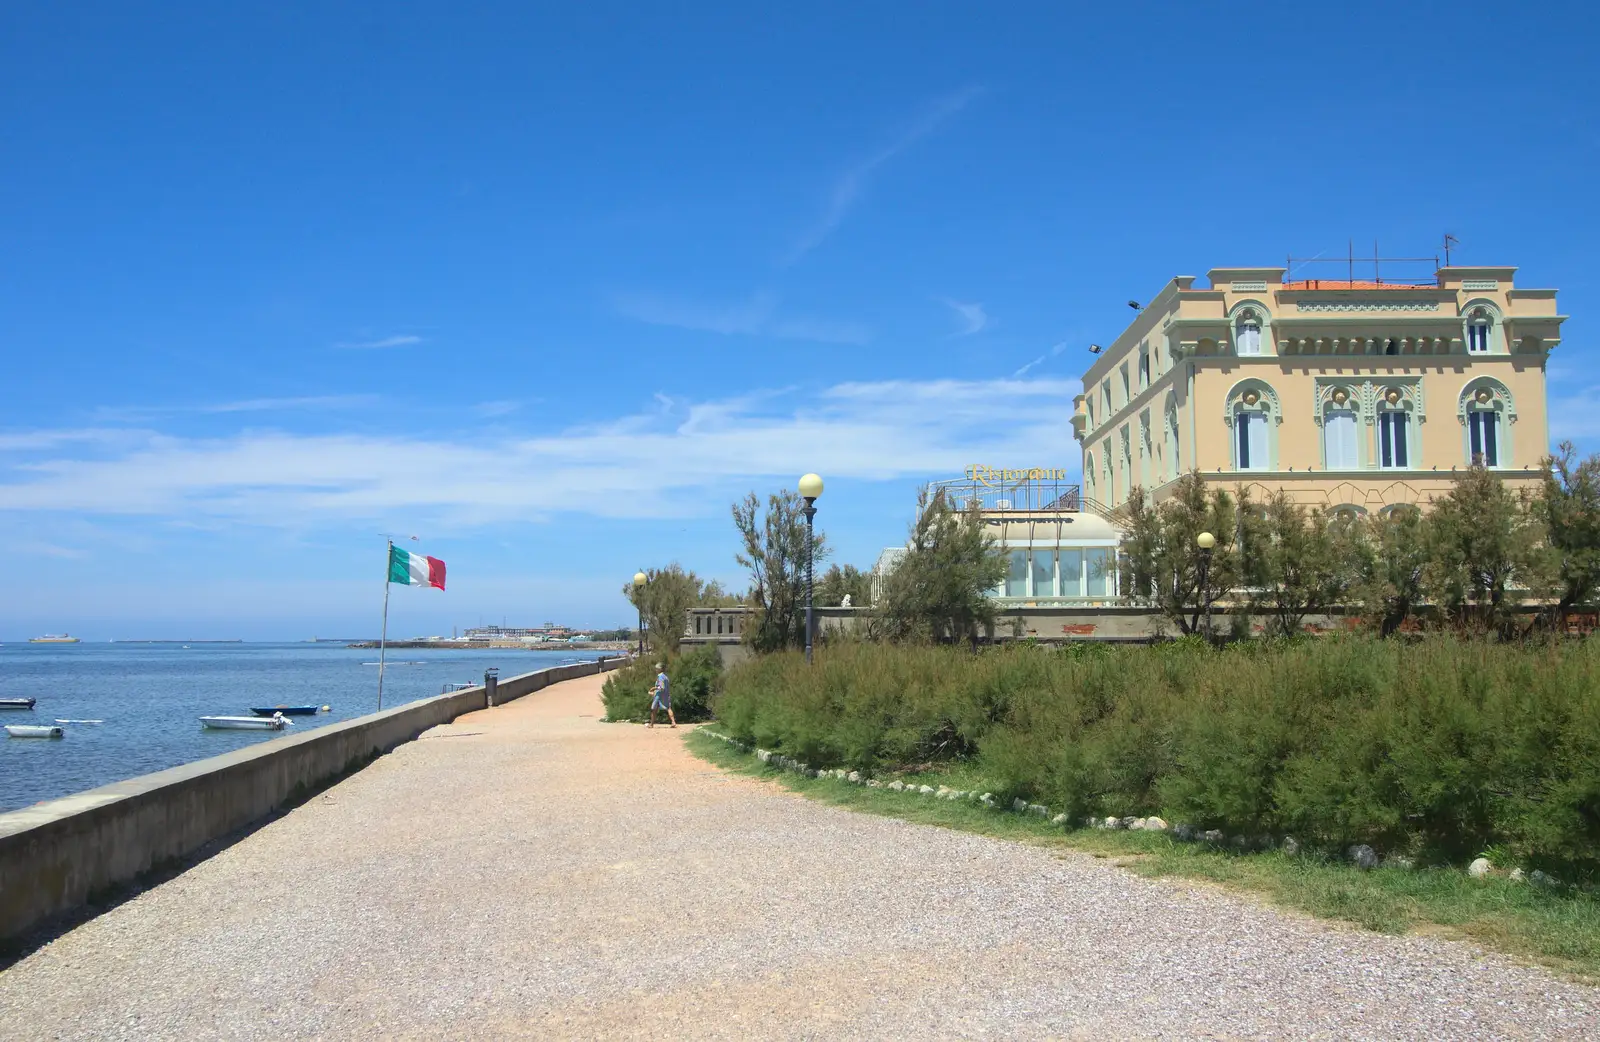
16, 703
54, 638
290, 710
275, 722
34, 731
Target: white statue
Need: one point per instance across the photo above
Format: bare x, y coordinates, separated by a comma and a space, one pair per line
846, 602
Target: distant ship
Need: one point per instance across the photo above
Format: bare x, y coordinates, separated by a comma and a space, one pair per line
53, 638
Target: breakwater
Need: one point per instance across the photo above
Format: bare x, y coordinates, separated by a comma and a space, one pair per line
57, 855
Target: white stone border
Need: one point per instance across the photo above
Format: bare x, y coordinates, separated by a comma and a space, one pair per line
1360, 855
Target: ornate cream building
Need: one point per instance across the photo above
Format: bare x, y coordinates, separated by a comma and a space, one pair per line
1347, 394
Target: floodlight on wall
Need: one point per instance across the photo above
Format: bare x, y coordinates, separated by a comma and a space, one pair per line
1095, 349
1135, 305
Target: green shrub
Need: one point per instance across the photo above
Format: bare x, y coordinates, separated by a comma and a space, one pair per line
693, 678
1442, 747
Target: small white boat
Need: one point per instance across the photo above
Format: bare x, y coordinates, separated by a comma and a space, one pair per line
61, 721
275, 722
34, 731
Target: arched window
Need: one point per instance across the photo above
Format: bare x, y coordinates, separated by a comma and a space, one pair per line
1349, 513
1479, 324
1247, 332
1173, 460
1146, 450
1341, 446
1253, 415
1397, 448
1486, 412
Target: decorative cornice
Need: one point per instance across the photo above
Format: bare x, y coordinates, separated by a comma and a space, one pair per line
1367, 305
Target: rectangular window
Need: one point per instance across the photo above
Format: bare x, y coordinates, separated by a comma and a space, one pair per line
1017, 576
1144, 368
1101, 565
1483, 427
1339, 440
1127, 395
1105, 393
1393, 432
1252, 434
1249, 340
1044, 573
1071, 573
1478, 339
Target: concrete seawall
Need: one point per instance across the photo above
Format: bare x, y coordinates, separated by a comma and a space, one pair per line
56, 855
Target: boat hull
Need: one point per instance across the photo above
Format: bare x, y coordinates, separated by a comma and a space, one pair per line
16, 703
34, 731
286, 710
244, 723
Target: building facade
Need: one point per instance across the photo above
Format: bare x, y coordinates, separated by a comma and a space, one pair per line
1057, 553
1358, 395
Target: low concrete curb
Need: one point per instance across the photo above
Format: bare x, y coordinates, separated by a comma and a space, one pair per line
58, 855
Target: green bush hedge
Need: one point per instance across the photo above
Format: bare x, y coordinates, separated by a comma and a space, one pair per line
693, 678
1440, 748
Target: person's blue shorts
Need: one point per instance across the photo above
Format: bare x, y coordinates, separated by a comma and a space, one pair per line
661, 701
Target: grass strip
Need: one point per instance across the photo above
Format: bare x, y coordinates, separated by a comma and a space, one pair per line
1556, 929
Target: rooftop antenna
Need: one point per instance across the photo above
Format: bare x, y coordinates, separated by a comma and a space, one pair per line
1449, 241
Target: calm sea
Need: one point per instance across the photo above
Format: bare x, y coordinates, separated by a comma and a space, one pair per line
150, 696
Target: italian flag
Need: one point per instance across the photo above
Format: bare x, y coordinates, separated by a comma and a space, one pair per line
409, 569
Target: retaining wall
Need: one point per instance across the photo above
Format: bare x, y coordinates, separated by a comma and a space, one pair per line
57, 855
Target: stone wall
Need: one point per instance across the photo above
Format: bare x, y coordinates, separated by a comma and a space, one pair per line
57, 855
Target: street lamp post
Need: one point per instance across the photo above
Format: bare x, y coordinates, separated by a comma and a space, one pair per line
1205, 541
810, 489
639, 579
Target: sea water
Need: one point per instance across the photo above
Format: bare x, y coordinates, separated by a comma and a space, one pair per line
149, 698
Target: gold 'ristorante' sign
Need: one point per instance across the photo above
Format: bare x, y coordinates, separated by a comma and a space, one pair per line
995, 476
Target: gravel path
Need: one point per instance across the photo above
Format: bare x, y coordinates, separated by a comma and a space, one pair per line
530, 872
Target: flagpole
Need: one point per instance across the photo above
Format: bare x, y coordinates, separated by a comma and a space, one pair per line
383, 638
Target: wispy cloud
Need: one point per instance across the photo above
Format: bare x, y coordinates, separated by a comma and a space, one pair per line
757, 316
488, 410
376, 345
1055, 350
673, 461
319, 401
1574, 412
24, 441
973, 317
848, 188
41, 549
145, 414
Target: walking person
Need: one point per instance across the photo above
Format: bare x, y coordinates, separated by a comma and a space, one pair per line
661, 698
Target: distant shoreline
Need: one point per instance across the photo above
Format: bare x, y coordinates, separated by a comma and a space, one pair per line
588, 645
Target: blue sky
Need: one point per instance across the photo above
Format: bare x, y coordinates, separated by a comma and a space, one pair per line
550, 287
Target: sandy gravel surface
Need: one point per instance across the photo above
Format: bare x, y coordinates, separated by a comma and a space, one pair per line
530, 872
